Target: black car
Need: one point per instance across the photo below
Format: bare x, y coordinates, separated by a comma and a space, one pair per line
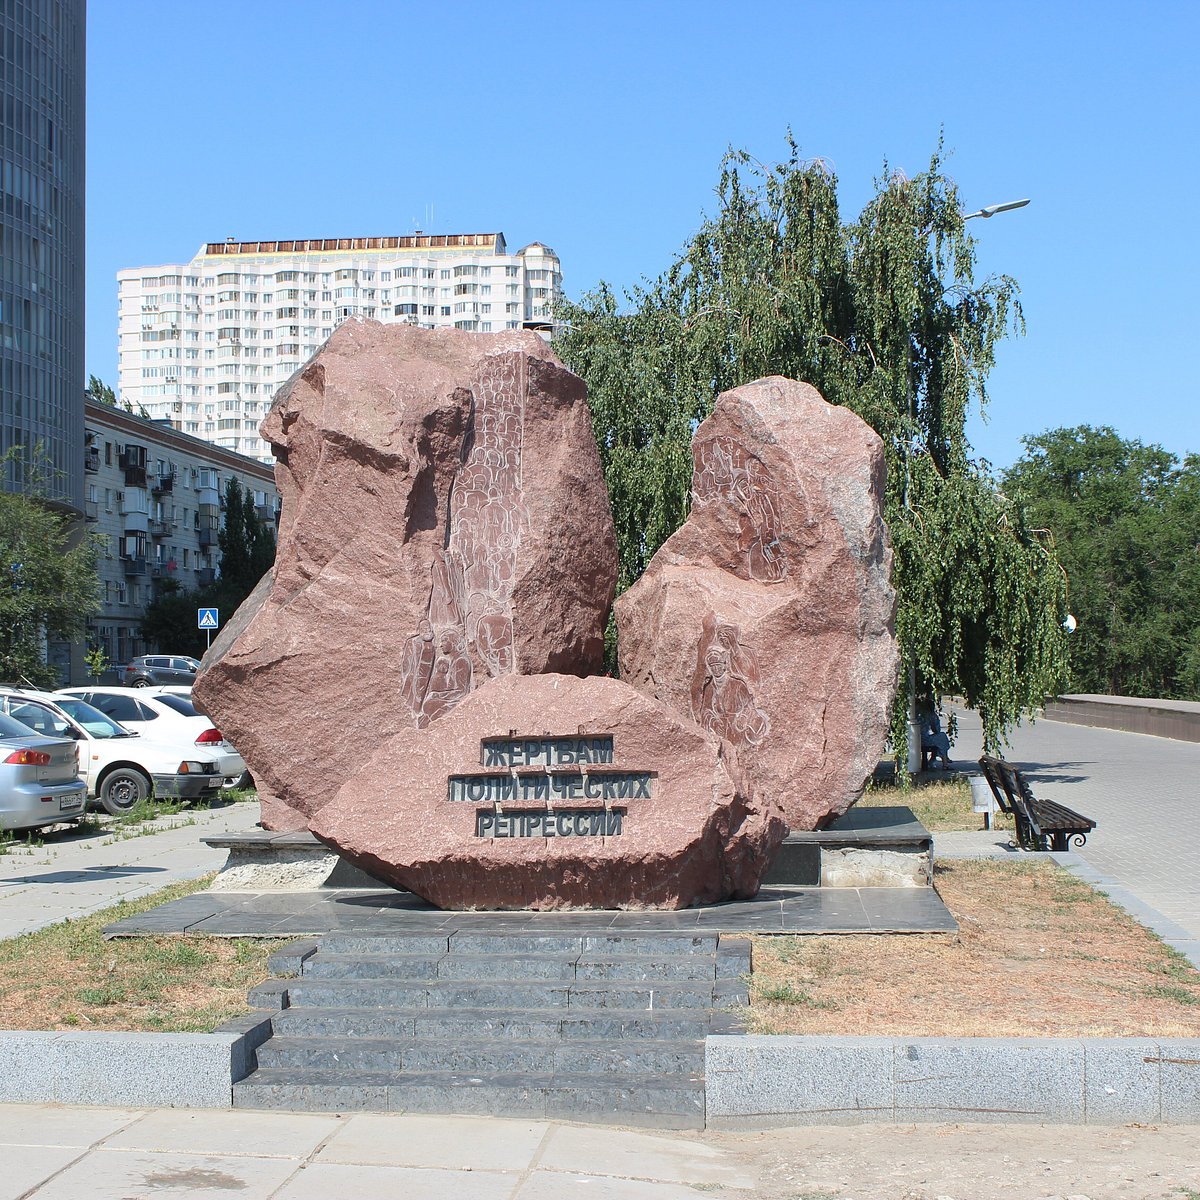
154, 670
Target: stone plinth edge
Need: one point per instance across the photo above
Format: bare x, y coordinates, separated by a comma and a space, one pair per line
138, 1070
761, 1081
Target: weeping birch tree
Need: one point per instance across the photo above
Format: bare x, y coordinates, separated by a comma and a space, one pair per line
884, 315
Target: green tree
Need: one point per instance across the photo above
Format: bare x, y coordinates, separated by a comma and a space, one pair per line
100, 392
881, 314
261, 536
236, 540
1126, 522
48, 586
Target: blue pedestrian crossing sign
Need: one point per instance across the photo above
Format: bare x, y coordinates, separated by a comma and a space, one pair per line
206, 618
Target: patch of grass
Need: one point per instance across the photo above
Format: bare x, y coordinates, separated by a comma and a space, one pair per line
1177, 995
939, 804
1038, 953
69, 977
785, 993
20, 841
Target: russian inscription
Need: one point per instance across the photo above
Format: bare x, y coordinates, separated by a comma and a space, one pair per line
545, 751
548, 770
562, 785
543, 822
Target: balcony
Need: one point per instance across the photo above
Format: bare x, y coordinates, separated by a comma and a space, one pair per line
133, 566
91, 510
160, 528
208, 537
91, 459
264, 512
162, 484
206, 576
135, 474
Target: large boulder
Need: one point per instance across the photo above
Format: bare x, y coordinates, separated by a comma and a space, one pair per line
768, 616
554, 792
444, 522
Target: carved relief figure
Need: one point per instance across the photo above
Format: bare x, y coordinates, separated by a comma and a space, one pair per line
726, 473
450, 679
470, 600
723, 686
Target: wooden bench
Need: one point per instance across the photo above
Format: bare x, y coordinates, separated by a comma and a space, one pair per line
1040, 824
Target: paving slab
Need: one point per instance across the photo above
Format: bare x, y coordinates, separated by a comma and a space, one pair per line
442, 1143
60, 1125
782, 909
553, 1185
323, 1181
224, 1132
123, 1174
27, 1166
596, 1150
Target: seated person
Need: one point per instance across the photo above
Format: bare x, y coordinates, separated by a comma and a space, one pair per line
934, 743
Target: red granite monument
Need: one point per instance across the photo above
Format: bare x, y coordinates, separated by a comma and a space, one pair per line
444, 521
418, 684
547, 792
768, 616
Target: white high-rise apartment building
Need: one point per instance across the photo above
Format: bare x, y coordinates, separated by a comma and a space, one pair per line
205, 344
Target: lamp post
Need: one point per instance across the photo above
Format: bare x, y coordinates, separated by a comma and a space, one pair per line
993, 209
915, 725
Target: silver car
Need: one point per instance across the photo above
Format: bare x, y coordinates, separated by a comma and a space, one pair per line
38, 780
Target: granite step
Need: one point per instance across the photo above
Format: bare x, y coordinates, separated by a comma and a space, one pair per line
676, 1102
589, 1027
637, 967
466, 942
530, 1024
310, 991
404, 1056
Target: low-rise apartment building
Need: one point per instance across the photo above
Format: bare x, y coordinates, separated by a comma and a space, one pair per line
155, 497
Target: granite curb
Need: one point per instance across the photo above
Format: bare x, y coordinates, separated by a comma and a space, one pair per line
758, 1081
753, 1081
138, 1070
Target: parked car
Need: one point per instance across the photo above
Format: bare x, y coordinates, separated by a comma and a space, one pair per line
38, 780
152, 670
120, 768
160, 712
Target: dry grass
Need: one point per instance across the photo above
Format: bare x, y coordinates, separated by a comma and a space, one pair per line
939, 804
1038, 953
69, 977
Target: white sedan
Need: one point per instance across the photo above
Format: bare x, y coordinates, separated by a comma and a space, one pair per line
160, 713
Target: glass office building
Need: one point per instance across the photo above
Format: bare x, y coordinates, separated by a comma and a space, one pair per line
42, 59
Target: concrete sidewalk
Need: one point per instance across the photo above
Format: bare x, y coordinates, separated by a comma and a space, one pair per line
52, 1153
73, 871
56, 1153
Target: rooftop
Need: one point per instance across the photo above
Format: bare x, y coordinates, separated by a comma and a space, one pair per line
493, 242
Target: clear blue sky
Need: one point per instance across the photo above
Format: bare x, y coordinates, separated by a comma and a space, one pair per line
598, 128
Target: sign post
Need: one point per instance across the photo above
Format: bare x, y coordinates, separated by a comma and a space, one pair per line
208, 620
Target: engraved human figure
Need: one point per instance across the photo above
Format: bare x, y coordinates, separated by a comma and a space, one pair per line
416, 666
450, 679
725, 473
723, 687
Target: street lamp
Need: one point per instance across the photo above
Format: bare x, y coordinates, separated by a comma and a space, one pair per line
915, 725
993, 209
